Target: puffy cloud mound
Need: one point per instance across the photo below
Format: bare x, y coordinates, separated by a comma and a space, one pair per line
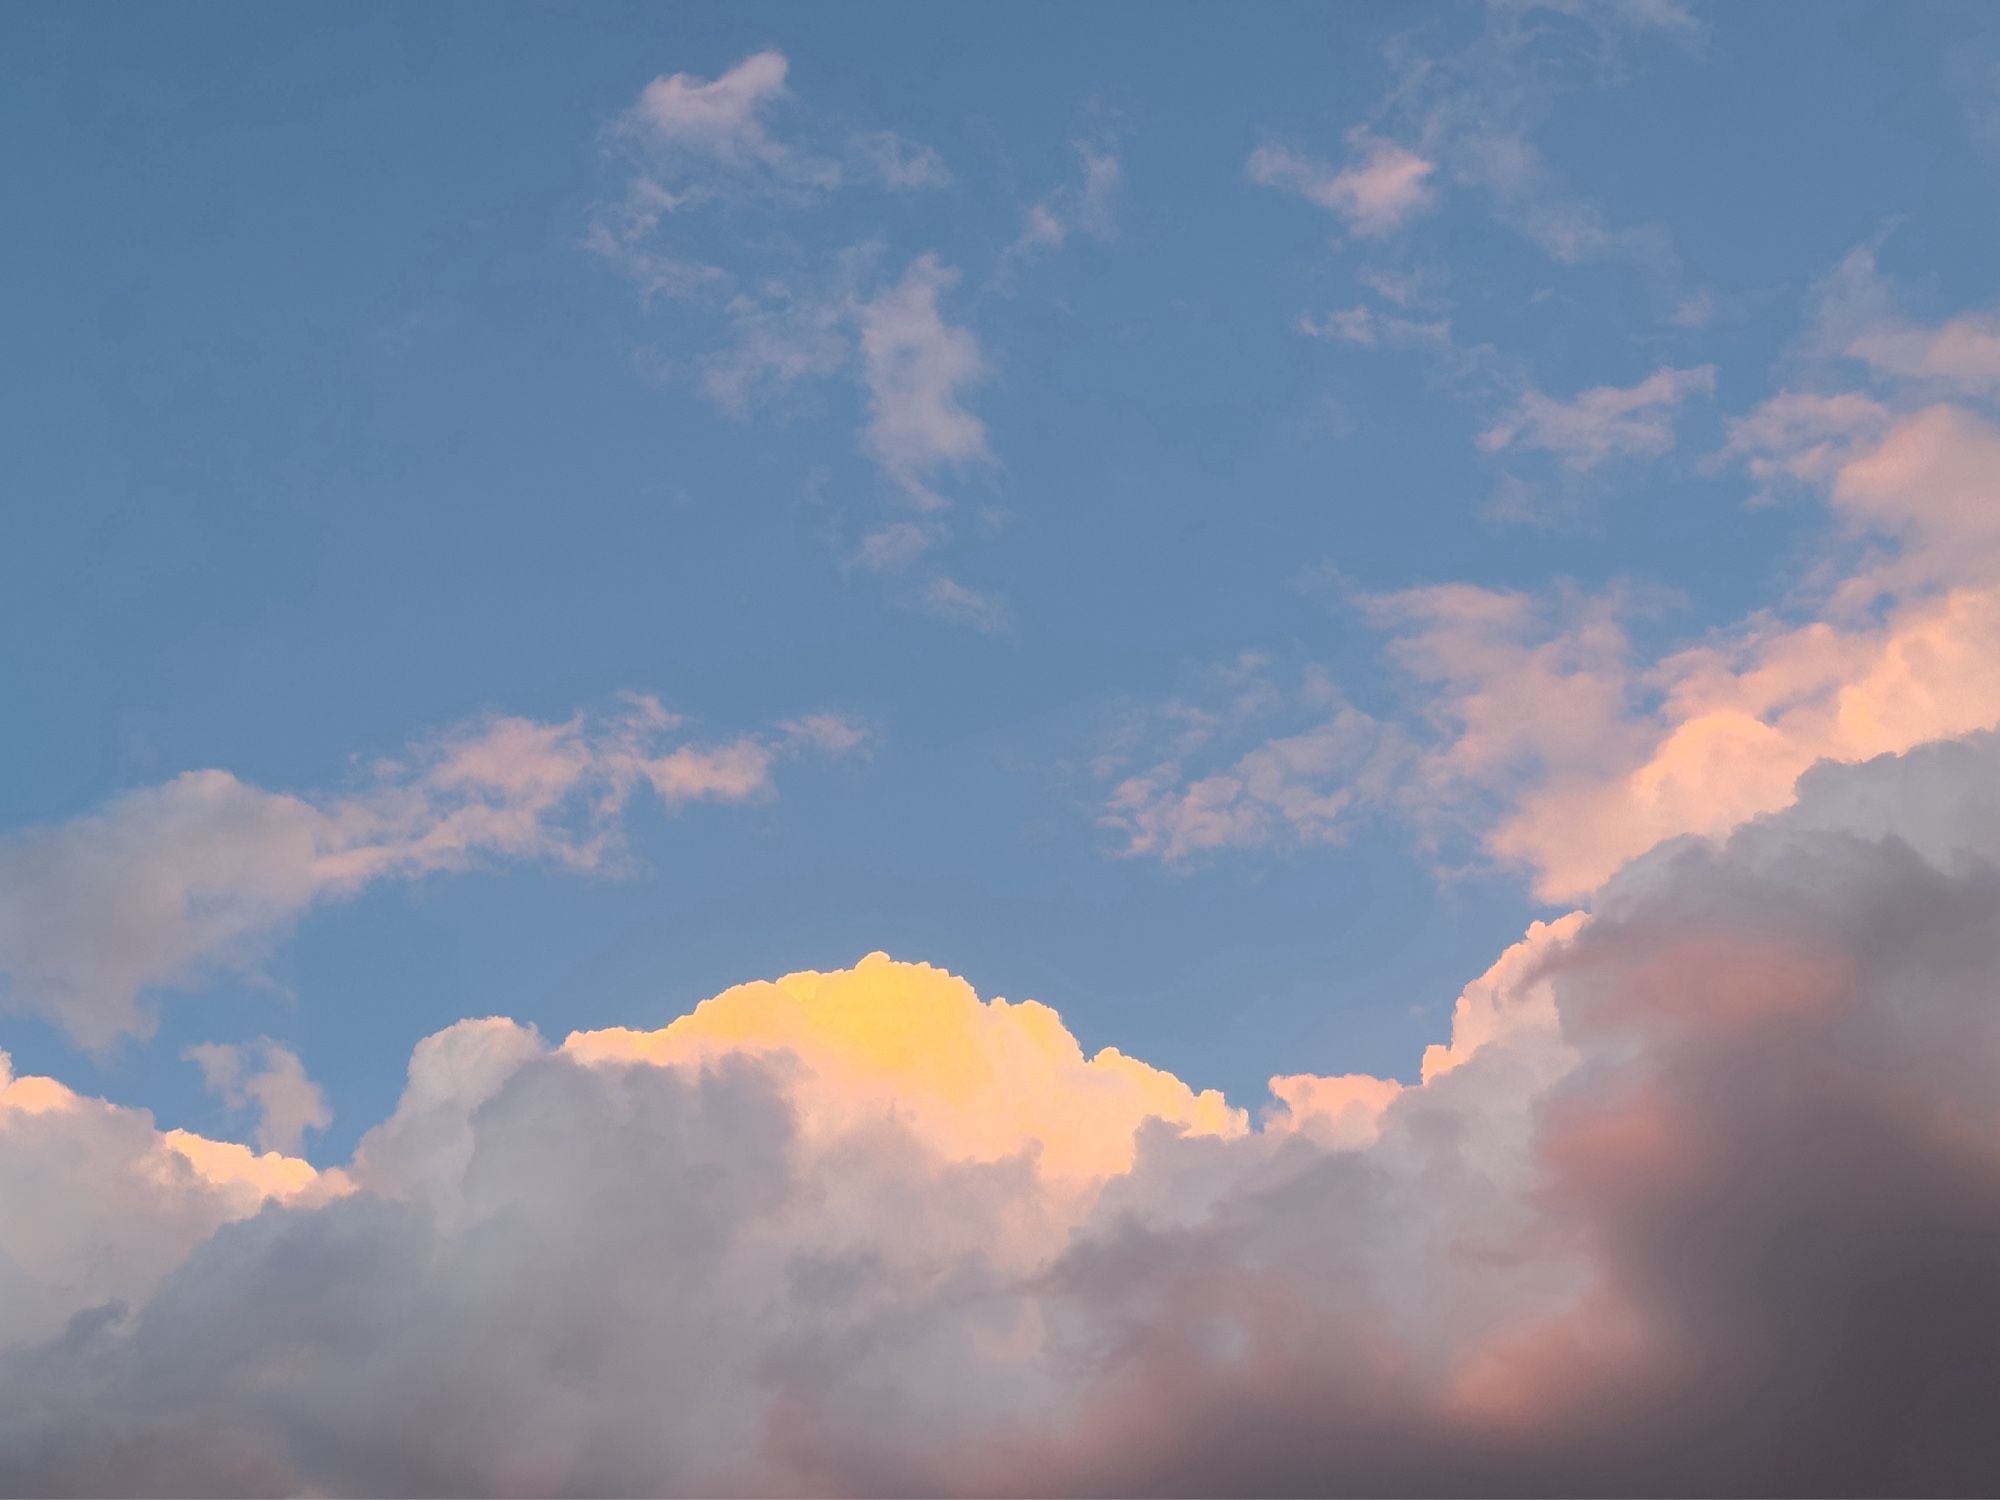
97, 1205
1701, 1196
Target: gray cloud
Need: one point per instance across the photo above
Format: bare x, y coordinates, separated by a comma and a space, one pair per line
1709, 1203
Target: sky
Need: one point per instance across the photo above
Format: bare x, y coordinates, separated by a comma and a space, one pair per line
1426, 575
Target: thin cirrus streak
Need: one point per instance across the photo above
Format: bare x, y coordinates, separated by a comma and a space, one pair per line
863, 1232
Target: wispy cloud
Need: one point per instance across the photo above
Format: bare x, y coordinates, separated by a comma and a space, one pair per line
986, 612
1602, 423
1258, 759
1382, 186
1082, 207
916, 368
763, 326
711, 137
1535, 724
167, 885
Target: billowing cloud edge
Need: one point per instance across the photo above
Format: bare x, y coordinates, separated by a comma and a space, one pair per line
1702, 1193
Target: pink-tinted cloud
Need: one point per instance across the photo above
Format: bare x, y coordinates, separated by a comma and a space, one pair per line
1700, 1196
166, 884
1602, 423
1382, 187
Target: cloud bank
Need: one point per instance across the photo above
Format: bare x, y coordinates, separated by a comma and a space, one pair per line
1702, 1195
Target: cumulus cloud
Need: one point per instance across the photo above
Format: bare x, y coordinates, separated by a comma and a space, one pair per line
1699, 1197
270, 1077
1382, 186
101, 1204
1900, 652
166, 885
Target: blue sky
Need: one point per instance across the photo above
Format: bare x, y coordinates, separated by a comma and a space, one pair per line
350, 402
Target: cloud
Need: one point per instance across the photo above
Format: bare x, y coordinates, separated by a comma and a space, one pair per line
716, 135
1699, 1197
767, 312
894, 546
1383, 186
165, 886
1369, 328
1537, 732
975, 1081
1465, 119
885, 157
288, 1103
775, 341
985, 612
1084, 206
101, 1205
690, 143
1181, 787
916, 366
1604, 422
1963, 352
723, 116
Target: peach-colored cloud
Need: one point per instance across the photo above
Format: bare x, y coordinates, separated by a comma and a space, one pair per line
975, 1080
1340, 1112
1588, 755
100, 1204
1514, 994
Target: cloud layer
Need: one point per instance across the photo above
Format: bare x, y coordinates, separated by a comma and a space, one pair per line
1701, 1196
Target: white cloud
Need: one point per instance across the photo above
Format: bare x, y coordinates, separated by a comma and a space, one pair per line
717, 137
776, 340
1383, 186
1604, 422
166, 886
101, 1204
1181, 786
1467, 119
893, 547
863, 1232
723, 116
960, 603
1369, 328
885, 157
270, 1077
916, 368
1084, 206
1962, 352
